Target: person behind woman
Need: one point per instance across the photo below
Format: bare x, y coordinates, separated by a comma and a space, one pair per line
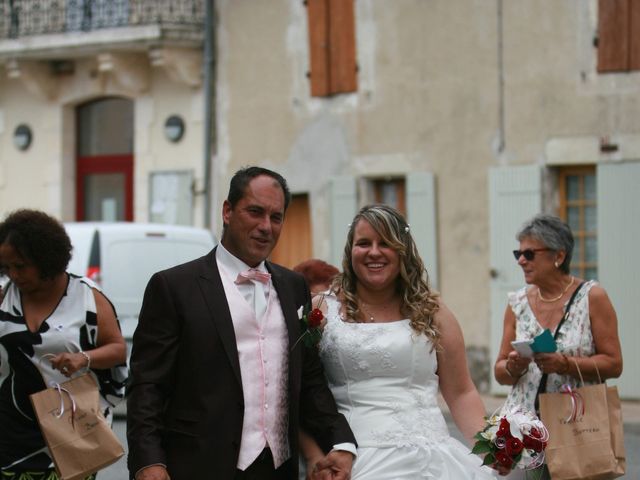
589, 335
318, 274
389, 343
53, 326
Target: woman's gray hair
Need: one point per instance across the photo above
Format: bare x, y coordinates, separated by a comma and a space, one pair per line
552, 232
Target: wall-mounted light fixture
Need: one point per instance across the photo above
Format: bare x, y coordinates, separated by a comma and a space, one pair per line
174, 128
22, 137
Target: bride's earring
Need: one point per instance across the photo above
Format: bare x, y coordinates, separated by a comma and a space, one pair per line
557, 265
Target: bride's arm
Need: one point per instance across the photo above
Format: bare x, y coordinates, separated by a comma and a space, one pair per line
456, 385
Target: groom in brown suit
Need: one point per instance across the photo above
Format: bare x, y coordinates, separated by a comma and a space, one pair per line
217, 390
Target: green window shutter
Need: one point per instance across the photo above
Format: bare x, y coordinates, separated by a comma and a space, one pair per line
514, 197
343, 207
618, 218
421, 215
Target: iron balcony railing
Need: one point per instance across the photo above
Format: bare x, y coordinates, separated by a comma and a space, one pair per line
23, 18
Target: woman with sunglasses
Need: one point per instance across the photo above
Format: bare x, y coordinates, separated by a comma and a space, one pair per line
587, 336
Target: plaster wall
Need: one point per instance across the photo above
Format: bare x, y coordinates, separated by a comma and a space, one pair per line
36, 170
552, 88
426, 102
448, 87
47, 169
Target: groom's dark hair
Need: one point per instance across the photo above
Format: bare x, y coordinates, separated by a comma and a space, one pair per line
242, 177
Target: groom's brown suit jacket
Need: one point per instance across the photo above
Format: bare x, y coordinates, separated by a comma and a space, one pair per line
185, 402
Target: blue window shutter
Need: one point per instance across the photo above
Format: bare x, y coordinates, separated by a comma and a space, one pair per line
514, 197
421, 215
618, 217
343, 207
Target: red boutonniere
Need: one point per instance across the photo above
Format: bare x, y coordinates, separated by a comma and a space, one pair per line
311, 321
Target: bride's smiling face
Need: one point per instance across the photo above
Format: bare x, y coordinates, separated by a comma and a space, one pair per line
375, 263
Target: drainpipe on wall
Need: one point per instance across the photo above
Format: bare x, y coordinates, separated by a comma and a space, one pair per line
209, 98
500, 46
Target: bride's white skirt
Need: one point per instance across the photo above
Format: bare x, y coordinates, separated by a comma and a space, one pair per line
449, 460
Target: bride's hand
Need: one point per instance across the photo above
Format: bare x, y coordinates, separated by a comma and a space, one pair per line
501, 469
336, 465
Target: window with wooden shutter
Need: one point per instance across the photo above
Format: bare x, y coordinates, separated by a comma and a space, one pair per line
332, 47
390, 191
618, 35
578, 207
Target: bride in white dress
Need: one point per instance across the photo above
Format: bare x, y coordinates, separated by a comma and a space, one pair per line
388, 345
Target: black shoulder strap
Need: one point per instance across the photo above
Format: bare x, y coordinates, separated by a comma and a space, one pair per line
542, 388
566, 310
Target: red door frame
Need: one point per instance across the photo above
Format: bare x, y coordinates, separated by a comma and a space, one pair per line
105, 164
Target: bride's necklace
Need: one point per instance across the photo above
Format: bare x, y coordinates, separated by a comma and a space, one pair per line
382, 310
555, 299
367, 313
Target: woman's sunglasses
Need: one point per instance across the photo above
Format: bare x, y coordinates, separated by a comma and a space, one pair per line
529, 254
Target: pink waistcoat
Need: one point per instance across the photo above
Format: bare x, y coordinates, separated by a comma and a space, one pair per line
262, 350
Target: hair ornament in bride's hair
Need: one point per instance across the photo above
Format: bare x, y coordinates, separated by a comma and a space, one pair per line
407, 228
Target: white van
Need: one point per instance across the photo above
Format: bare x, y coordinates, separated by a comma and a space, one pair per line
122, 256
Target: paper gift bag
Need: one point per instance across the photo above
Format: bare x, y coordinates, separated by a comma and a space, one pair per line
79, 438
580, 442
616, 427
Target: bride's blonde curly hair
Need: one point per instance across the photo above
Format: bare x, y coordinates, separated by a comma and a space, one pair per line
419, 302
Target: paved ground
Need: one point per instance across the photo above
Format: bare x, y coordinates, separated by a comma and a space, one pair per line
630, 415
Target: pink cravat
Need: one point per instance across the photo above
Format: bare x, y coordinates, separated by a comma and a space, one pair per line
253, 274
259, 280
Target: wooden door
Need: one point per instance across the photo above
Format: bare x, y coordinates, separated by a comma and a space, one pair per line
295, 245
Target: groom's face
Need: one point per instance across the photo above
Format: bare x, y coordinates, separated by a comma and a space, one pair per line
253, 225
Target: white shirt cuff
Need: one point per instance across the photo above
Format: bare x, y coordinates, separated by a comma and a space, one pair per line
347, 447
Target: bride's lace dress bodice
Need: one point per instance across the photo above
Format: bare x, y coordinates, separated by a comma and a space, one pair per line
383, 377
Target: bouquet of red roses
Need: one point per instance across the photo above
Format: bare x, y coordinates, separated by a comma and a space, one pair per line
516, 439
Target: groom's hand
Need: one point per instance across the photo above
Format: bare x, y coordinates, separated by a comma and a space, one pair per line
153, 472
335, 466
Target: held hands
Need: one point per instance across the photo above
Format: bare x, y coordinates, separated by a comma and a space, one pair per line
70, 363
335, 466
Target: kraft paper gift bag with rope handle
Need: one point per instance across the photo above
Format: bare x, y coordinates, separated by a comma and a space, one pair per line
79, 438
585, 432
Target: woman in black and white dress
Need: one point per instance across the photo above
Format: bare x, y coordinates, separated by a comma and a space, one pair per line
53, 326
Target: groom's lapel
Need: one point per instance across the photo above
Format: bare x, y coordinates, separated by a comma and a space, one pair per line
216, 301
287, 302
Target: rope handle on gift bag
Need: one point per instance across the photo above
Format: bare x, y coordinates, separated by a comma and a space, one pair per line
60, 389
542, 387
595, 364
577, 402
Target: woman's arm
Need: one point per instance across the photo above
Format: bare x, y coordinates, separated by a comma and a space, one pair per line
509, 366
456, 385
111, 348
604, 327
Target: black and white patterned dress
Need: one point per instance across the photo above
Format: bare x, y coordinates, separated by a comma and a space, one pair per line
72, 327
